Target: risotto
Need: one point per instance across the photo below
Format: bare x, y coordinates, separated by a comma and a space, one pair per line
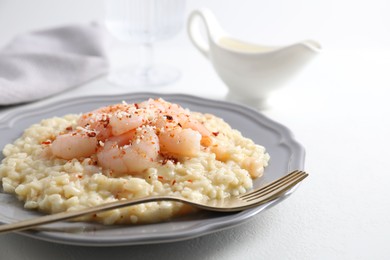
127, 151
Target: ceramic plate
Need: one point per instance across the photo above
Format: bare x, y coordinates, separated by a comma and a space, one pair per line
286, 155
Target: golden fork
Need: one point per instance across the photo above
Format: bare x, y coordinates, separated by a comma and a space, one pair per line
242, 202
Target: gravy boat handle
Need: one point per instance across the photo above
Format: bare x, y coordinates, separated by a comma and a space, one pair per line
213, 30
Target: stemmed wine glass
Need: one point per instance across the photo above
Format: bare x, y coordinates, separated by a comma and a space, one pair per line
144, 22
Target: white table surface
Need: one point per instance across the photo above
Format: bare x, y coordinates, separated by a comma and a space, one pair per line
337, 109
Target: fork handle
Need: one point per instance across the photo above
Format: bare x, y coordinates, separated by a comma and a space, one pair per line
27, 224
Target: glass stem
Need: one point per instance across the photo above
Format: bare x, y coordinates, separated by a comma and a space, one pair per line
147, 56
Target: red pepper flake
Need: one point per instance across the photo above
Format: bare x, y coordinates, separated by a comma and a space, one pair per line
166, 159
174, 160
79, 176
215, 133
179, 124
173, 182
93, 162
46, 142
189, 181
91, 134
136, 105
69, 128
169, 117
105, 122
160, 177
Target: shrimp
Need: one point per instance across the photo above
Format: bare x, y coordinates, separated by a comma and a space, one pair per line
180, 142
132, 152
180, 133
122, 122
112, 120
97, 121
153, 104
188, 121
128, 137
74, 145
176, 140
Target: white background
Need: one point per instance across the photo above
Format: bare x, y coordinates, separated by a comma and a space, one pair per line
337, 108
336, 24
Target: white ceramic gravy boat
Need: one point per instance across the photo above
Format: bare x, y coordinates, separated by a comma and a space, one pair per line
249, 70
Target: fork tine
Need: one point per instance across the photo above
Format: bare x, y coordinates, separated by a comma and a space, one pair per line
277, 190
275, 193
294, 178
270, 185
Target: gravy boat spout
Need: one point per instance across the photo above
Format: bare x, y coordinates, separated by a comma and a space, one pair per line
250, 71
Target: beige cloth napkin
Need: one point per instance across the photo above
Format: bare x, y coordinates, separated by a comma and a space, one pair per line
42, 63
